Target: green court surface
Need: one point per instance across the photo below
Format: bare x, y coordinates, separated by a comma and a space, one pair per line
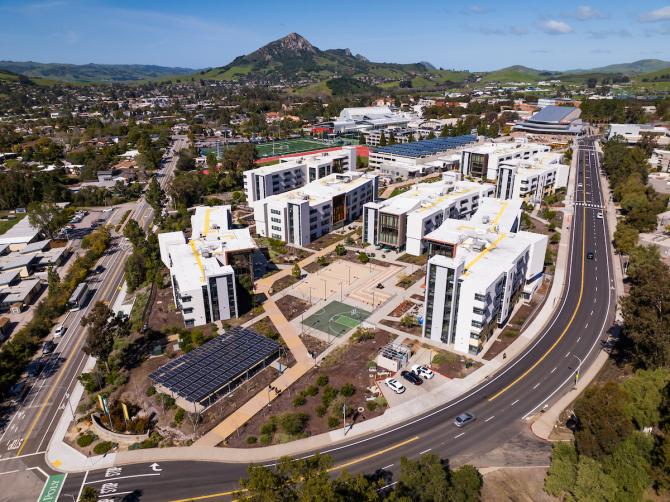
336, 318
283, 147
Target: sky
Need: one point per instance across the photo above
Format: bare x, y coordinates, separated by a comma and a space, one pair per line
476, 36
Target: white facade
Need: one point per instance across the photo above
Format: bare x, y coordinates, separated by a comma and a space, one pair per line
404, 220
531, 179
303, 215
483, 161
633, 133
475, 275
368, 117
203, 279
295, 172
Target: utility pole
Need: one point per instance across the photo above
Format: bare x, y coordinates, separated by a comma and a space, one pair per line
344, 419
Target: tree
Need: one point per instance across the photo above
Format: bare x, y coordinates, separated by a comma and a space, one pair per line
155, 197
382, 139
363, 257
602, 420
340, 250
562, 473
103, 329
467, 484
392, 140
625, 237
296, 272
47, 217
134, 233
53, 281
211, 160
431, 135
424, 480
88, 494
645, 396
185, 161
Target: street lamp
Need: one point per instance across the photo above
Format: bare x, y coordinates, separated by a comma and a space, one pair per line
324, 289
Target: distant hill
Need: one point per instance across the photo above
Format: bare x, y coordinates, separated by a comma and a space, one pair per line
294, 61
517, 73
630, 69
90, 73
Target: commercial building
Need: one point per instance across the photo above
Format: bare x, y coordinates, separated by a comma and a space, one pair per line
552, 121
660, 160
295, 172
403, 221
634, 133
205, 272
532, 179
303, 215
483, 161
367, 117
418, 158
476, 273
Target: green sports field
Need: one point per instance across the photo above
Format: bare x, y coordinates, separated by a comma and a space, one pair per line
336, 318
282, 147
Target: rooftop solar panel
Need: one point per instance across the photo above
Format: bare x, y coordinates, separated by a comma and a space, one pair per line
427, 147
205, 370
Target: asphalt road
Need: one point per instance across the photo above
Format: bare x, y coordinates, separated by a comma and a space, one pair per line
533, 381
28, 428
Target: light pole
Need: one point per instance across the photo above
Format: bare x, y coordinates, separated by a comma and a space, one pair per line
349, 268
344, 419
340, 291
324, 289
578, 369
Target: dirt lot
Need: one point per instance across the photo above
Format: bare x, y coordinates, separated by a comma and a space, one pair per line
447, 363
407, 281
349, 364
516, 485
402, 308
163, 312
326, 240
292, 306
284, 282
415, 260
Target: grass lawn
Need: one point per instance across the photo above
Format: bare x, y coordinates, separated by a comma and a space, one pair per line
7, 224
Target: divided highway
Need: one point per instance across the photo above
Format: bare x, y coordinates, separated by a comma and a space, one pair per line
534, 380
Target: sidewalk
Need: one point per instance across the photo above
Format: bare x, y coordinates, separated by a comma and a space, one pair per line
544, 425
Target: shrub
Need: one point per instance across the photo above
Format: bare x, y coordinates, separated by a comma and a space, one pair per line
363, 258
333, 422
167, 401
252, 439
409, 321
103, 447
371, 405
266, 439
86, 439
322, 380
299, 400
362, 334
340, 250
348, 389
312, 390
321, 410
151, 390
329, 393
293, 423
179, 416
269, 428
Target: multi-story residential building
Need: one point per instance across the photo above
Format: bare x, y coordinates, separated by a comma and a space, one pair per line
206, 271
305, 214
532, 179
295, 172
476, 273
418, 158
483, 161
401, 222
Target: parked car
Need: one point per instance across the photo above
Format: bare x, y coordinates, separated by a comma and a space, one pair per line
394, 385
48, 347
422, 371
411, 377
59, 331
464, 419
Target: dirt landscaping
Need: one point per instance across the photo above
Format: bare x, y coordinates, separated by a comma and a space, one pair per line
414, 330
284, 282
452, 365
315, 401
326, 240
292, 306
267, 328
409, 280
402, 308
414, 260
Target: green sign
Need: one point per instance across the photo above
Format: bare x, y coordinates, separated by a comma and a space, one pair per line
52, 488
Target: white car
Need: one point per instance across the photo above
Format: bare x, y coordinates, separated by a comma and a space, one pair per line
394, 385
600, 215
422, 371
59, 331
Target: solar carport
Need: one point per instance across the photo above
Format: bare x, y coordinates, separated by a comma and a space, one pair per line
428, 147
199, 378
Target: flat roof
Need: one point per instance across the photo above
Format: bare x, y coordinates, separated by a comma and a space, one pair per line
556, 114
33, 247
428, 147
502, 148
323, 189
22, 232
209, 368
191, 269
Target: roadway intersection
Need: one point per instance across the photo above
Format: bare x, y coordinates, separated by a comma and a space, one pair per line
534, 380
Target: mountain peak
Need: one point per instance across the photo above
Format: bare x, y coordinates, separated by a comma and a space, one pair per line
291, 44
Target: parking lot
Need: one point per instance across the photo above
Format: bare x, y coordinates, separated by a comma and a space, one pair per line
411, 390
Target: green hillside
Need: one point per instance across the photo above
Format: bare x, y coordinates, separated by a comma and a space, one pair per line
635, 68
90, 73
517, 74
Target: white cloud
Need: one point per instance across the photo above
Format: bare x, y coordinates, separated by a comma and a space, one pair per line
662, 14
476, 9
555, 27
600, 34
586, 13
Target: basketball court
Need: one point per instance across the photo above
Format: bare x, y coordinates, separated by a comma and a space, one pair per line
336, 318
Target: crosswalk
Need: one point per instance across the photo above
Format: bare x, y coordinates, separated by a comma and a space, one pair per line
588, 204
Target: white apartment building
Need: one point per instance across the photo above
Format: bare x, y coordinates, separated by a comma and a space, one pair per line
418, 158
305, 214
476, 274
482, 161
532, 179
295, 172
203, 271
403, 221
633, 133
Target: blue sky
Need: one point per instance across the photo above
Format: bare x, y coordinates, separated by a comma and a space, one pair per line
480, 35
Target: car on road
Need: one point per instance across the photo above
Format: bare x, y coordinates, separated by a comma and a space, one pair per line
464, 419
394, 385
579, 185
48, 347
590, 255
59, 331
422, 371
411, 377
600, 215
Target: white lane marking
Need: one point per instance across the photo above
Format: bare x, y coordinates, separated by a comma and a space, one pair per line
553, 370
81, 488
490, 418
38, 469
514, 402
536, 385
579, 338
123, 477
9, 472
425, 451
387, 467
461, 434
591, 313
567, 355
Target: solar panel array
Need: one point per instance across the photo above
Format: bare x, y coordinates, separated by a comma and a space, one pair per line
204, 371
427, 147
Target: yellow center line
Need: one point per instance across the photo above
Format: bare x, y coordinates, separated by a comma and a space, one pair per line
334, 468
574, 312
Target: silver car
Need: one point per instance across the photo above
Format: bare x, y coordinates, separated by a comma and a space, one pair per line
464, 419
